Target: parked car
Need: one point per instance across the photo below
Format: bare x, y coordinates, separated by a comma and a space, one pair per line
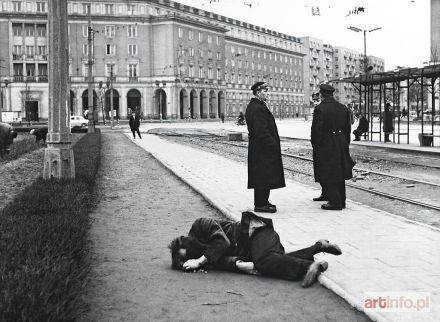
412, 115
78, 121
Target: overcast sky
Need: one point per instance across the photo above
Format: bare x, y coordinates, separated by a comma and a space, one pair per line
404, 39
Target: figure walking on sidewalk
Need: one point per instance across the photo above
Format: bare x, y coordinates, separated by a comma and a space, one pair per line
332, 164
135, 122
265, 166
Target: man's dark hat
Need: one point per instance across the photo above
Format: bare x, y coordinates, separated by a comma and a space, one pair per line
326, 88
259, 85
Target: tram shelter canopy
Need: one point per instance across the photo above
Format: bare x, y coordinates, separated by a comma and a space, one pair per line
375, 89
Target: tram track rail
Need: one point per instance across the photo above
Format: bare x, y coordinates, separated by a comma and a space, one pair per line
219, 139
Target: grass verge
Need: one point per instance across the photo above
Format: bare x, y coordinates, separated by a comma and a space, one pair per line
23, 144
43, 243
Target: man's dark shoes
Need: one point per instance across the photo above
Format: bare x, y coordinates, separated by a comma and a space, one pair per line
330, 248
320, 198
329, 206
313, 272
265, 208
271, 205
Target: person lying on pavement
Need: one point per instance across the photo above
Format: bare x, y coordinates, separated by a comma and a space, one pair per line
251, 245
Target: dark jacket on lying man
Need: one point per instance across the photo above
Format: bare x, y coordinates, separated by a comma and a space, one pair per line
221, 243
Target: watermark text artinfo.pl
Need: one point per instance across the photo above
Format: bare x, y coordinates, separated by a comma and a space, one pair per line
397, 301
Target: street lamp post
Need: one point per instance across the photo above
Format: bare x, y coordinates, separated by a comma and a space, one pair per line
355, 29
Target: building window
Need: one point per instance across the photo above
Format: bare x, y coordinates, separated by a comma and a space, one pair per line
219, 55
85, 49
29, 30
17, 50
17, 30
85, 30
110, 31
180, 32
132, 50
42, 50
209, 39
191, 71
191, 35
219, 74
132, 70
41, 30
30, 51
200, 72
210, 73
110, 50
41, 7
209, 54
16, 6
191, 52
200, 36
218, 40
108, 69
131, 9
85, 8
132, 31
109, 9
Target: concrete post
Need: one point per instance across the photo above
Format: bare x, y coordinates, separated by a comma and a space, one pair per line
58, 156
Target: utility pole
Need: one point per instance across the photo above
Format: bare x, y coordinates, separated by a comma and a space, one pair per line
58, 156
91, 107
111, 96
1, 91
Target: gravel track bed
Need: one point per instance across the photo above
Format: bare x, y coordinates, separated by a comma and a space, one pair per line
412, 212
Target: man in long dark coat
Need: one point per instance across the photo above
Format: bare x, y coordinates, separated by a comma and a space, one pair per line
332, 164
246, 245
265, 166
134, 123
388, 127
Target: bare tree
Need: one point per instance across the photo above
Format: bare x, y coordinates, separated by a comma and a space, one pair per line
415, 95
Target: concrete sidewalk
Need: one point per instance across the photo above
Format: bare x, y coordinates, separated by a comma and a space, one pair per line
382, 252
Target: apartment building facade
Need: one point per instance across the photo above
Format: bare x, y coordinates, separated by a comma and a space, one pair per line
170, 60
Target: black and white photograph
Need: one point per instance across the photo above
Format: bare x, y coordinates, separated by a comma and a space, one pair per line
220, 160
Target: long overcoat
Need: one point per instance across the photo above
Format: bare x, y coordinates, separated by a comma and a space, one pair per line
330, 135
265, 166
134, 122
388, 121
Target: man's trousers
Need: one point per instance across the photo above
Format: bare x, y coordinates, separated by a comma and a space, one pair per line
270, 258
335, 193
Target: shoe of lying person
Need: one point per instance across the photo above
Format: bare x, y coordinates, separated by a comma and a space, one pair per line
313, 272
266, 208
330, 248
330, 206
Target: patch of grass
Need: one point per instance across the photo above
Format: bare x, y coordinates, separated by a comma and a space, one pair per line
23, 144
43, 243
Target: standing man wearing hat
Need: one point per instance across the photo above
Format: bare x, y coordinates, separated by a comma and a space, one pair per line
265, 166
332, 165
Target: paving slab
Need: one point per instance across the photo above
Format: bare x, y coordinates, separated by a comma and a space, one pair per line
382, 252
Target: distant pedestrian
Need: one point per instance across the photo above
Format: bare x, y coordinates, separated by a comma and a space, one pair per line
135, 122
265, 166
362, 127
332, 164
240, 119
40, 134
388, 127
222, 117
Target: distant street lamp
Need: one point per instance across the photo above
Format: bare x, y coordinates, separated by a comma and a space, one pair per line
355, 29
